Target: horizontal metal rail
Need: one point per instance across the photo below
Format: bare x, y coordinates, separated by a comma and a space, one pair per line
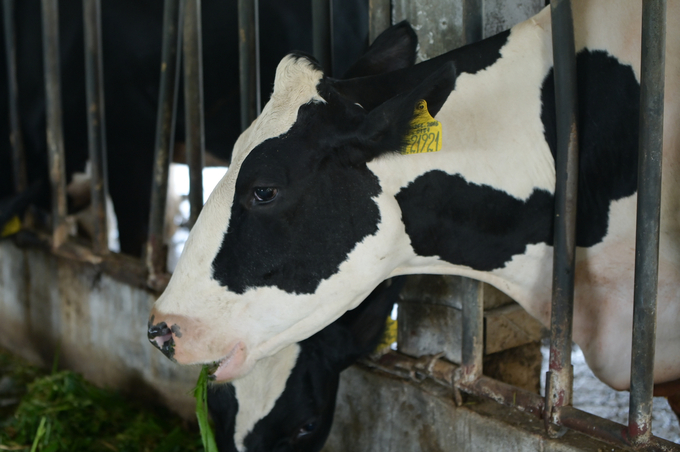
443, 374
648, 218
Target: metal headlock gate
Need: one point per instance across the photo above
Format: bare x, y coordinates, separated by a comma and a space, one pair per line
182, 36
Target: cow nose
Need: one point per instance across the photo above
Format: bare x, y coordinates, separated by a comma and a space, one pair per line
161, 337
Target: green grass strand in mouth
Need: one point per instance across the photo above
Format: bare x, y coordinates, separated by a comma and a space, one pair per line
201, 395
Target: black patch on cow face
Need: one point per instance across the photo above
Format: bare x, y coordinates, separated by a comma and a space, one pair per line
609, 104
322, 208
472, 225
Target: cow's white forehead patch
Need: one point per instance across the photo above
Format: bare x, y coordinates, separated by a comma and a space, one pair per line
258, 392
294, 85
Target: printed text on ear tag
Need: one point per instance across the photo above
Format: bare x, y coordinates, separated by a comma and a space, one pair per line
426, 132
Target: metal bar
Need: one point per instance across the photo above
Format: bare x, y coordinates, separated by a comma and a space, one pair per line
249, 60
379, 17
55, 136
473, 21
165, 137
16, 137
442, 373
322, 33
648, 212
473, 329
96, 130
193, 105
560, 376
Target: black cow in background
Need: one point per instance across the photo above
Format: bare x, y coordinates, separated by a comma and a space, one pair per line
131, 34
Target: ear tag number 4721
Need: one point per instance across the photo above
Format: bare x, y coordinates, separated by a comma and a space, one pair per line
426, 132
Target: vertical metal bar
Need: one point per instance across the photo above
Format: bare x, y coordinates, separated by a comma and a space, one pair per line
96, 131
560, 376
472, 20
322, 33
16, 138
165, 136
249, 60
379, 17
648, 212
193, 105
55, 136
473, 328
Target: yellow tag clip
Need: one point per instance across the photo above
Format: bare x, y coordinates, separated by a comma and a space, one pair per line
426, 134
11, 227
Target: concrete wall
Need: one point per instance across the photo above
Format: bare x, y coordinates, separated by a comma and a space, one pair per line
98, 324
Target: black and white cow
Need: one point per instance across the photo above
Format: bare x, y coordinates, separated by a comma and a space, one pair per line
287, 402
320, 205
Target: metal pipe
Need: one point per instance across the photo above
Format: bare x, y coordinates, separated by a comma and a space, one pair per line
165, 137
322, 33
16, 137
249, 60
55, 135
379, 17
473, 329
96, 130
193, 105
473, 21
648, 212
560, 376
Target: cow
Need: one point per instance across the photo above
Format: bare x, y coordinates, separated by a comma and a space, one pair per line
326, 197
287, 402
131, 47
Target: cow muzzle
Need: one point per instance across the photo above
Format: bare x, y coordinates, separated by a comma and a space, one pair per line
160, 335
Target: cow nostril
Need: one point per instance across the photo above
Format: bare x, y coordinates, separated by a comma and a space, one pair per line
161, 337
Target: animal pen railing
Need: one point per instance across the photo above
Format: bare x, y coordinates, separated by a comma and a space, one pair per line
182, 36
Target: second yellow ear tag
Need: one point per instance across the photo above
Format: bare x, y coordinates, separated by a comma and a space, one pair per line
426, 133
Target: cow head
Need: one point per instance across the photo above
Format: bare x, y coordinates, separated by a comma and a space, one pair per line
299, 230
287, 402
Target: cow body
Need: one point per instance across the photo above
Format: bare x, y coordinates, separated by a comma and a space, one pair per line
319, 206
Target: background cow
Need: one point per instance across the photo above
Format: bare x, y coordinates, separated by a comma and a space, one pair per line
324, 199
131, 41
288, 401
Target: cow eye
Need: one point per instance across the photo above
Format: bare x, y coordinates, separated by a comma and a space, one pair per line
306, 429
263, 195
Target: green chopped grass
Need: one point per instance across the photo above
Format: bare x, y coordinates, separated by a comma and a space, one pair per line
201, 394
63, 412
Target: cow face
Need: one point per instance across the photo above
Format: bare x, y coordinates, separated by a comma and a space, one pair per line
287, 402
294, 235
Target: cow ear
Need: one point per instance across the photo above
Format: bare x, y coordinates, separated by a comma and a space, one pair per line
394, 49
385, 128
364, 325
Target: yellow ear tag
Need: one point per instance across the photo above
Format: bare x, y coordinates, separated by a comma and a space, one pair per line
11, 227
426, 133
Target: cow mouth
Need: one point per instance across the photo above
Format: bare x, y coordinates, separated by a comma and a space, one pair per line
229, 367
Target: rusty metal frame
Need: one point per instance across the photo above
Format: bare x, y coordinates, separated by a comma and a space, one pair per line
249, 60
559, 380
648, 219
96, 123
165, 140
55, 132
193, 105
16, 137
322, 33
